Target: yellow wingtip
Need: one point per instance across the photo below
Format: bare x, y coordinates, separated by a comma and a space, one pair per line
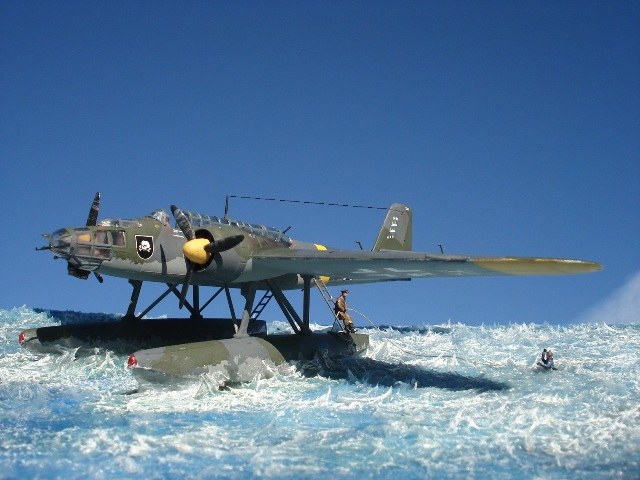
537, 266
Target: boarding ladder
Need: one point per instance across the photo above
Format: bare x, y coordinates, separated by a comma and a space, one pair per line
268, 295
324, 291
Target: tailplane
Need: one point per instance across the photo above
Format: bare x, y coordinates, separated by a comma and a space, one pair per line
396, 231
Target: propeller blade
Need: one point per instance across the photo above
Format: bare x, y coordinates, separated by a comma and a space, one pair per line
224, 244
92, 219
183, 222
215, 246
185, 284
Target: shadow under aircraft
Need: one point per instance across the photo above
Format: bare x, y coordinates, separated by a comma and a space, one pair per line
378, 373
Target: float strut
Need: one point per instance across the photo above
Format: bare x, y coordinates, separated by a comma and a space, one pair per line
248, 291
306, 303
196, 313
231, 309
289, 312
133, 303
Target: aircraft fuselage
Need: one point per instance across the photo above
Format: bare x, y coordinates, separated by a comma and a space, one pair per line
150, 249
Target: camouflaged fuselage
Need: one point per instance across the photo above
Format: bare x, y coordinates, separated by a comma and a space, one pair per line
148, 249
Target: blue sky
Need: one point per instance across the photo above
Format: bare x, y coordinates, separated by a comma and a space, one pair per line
510, 128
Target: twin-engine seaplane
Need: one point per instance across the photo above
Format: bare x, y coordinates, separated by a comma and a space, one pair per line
208, 251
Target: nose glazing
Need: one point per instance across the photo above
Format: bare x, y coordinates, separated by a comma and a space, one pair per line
60, 242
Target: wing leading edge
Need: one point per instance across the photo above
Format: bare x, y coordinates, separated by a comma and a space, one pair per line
364, 267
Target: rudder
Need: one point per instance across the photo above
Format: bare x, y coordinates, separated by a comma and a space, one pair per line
396, 231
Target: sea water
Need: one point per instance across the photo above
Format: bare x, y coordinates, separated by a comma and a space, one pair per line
451, 401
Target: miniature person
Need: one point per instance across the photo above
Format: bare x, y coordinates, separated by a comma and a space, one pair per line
549, 362
341, 311
543, 357
546, 360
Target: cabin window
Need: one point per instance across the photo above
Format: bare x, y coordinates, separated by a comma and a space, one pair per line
102, 237
118, 238
83, 236
102, 252
83, 250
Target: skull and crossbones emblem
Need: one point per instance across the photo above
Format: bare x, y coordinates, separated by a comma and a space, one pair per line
144, 246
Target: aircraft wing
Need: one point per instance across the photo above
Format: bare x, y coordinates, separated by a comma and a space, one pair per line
375, 266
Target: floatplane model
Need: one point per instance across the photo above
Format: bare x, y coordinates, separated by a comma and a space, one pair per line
207, 251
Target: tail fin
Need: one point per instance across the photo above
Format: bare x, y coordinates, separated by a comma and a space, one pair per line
396, 231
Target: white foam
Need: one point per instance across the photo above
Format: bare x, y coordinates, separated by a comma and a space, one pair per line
582, 418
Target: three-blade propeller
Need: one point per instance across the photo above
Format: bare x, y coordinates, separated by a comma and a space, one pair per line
198, 251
